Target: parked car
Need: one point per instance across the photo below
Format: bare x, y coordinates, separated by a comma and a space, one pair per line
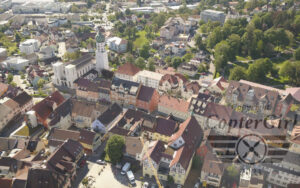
125, 168
130, 177
145, 185
101, 162
197, 184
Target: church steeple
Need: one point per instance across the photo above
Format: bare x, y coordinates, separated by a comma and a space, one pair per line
101, 54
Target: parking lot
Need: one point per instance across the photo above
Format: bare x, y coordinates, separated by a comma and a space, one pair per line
108, 176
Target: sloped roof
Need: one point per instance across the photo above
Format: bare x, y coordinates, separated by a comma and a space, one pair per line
145, 93
128, 69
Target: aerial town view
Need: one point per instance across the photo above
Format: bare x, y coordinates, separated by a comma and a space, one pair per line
149, 93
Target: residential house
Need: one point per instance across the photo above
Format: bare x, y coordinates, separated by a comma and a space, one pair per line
87, 89
66, 159
162, 130
127, 71
14, 107
29, 46
187, 69
24, 101
212, 170
124, 92
133, 148
175, 158
88, 139
284, 173
132, 123
3, 88
42, 177
83, 113
172, 83
167, 32
15, 63
35, 73
6, 116
147, 99
171, 106
149, 78
212, 15
190, 89
53, 111
117, 44
257, 98
105, 121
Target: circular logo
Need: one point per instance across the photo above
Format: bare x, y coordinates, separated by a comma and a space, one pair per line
251, 149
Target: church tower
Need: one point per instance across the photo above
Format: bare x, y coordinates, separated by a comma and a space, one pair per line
101, 54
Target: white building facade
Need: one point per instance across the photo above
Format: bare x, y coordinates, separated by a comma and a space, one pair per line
29, 46
66, 74
101, 53
149, 78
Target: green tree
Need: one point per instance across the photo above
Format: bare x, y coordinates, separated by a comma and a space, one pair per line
130, 58
259, 69
238, 73
297, 54
234, 42
151, 64
139, 2
223, 49
18, 37
145, 51
277, 37
10, 78
176, 61
114, 148
140, 62
232, 171
187, 57
168, 59
291, 71
199, 43
41, 83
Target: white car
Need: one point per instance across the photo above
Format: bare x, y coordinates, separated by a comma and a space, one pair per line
101, 162
145, 185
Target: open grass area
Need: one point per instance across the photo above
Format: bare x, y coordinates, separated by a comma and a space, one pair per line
140, 40
27, 131
240, 58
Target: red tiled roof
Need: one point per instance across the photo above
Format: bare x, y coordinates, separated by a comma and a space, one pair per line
44, 108
128, 69
174, 103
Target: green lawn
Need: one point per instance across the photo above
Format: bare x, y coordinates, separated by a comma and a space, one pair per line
240, 58
141, 40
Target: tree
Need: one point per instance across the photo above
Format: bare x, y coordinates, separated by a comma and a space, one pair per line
297, 54
10, 78
223, 49
151, 64
139, 2
291, 71
41, 83
114, 148
140, 62
232, 171
145, 51
187, 57
259, 69
168, 59
234, 42
176, 61
199, 43
238, 73
277, 37
18, 37
129, 58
